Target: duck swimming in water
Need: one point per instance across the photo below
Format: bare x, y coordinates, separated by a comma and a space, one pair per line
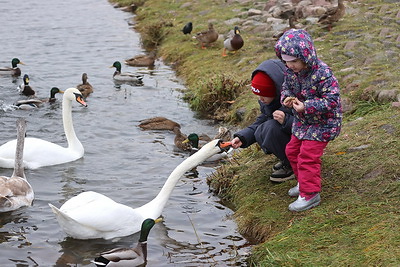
32, 103
85, 87
25, 88
14, 70
136, 256
125, 77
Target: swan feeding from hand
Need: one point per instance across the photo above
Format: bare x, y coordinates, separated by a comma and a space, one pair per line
91, 215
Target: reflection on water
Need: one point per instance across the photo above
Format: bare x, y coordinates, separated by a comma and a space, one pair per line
58, 41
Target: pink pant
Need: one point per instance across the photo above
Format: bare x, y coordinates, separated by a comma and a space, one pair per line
305, 159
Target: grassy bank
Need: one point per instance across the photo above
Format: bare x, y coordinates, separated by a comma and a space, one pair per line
357, 223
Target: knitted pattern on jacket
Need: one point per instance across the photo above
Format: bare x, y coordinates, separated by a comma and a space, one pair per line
316, 87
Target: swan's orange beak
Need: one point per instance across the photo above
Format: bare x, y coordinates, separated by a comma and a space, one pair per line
225, 144
80, 100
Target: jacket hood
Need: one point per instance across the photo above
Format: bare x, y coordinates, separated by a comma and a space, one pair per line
275, 69
297, 43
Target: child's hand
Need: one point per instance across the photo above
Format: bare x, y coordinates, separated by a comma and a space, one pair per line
288, 101
279, 116
298, 106
236, 143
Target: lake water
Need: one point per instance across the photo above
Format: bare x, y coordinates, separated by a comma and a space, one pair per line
58, 41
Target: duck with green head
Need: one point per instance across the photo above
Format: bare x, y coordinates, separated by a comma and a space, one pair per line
25, 88
194, 140
32, 103
125, 77
14, 70
129, 256
234, 41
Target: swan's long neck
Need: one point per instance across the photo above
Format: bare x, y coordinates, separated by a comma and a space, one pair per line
155, 207
73, 141
19, 151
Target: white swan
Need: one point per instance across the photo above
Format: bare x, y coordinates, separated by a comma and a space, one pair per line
15, 191
38, 152
92, 215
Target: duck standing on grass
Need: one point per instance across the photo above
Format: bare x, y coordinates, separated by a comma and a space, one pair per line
15, 191
234, 41
333, 14
207, 37
14, 70
129, 256
125, 77
85, 87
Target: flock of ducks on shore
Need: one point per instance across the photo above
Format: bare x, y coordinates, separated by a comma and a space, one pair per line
234, 41
89, 215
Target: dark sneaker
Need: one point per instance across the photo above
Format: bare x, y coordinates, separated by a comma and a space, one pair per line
281, 175
277, 166
302, 204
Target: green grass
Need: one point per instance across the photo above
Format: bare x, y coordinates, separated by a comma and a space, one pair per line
357, 223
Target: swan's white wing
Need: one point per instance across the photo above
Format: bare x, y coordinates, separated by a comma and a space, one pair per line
91, 212
38, 153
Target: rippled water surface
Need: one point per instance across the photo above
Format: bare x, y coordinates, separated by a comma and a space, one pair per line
58, 41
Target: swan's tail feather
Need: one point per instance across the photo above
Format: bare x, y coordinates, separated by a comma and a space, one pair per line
66, 222
72, 227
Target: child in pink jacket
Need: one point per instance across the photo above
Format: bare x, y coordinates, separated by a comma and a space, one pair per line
311, 89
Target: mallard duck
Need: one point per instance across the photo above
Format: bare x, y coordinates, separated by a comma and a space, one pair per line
194, 140
234, 41
333, 14
207, 37
15, 191
129, 256
85, 87
38, 152
187, 29
125, 77
142, 60
91, 215
14, 70
179, 140
35, 102
158, 123
25, 88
